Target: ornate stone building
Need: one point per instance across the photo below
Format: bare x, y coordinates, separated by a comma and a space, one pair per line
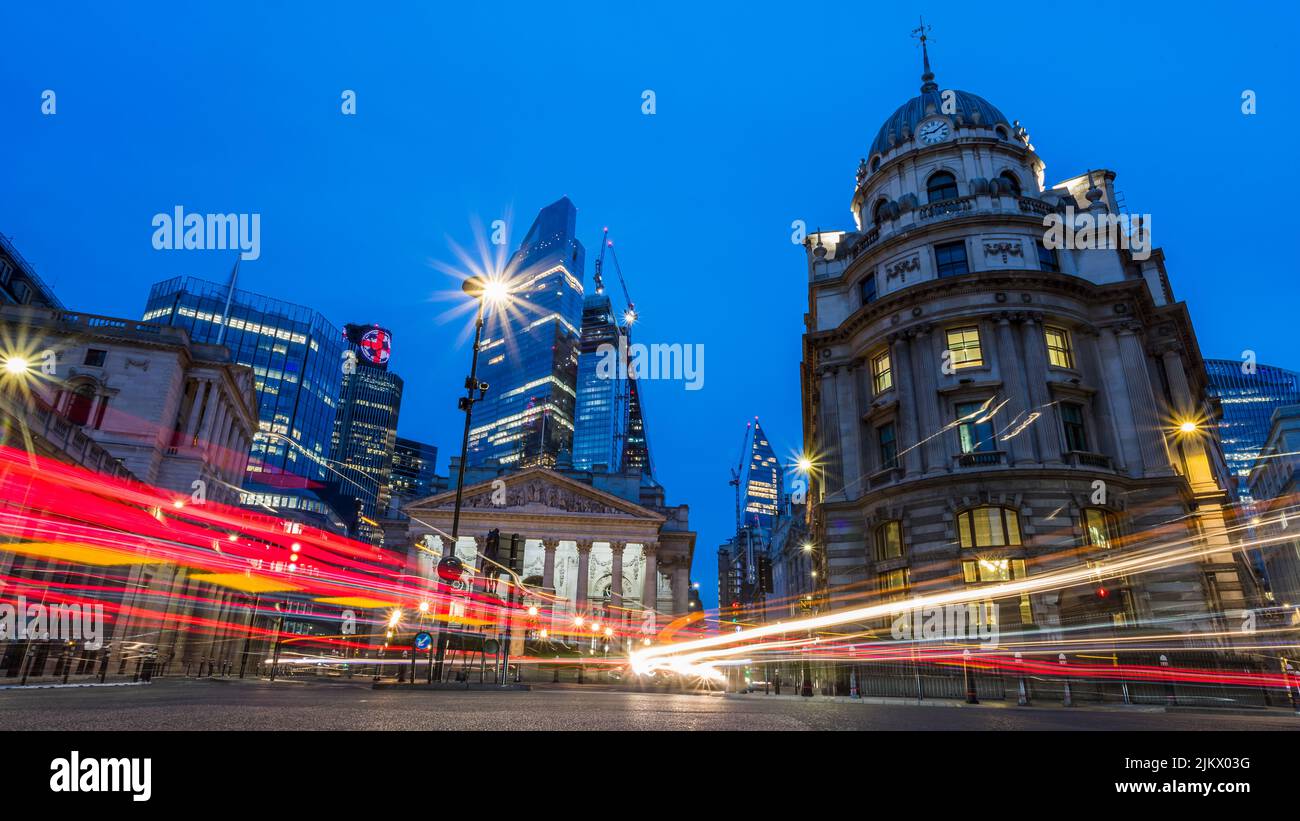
140, 401
588, 548
984, 406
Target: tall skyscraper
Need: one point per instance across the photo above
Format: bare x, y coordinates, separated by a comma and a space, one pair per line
365, 428
1248, 401
296, 356
761, 482
414, 474
602, 415
529, 352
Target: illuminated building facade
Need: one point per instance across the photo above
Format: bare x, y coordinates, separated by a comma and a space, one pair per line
365, 427
414, 472
1248, 396
602, 413
985, 408
762, 483
297, 360
1275, 488
529, 352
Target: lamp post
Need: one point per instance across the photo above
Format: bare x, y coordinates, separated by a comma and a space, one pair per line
482, 289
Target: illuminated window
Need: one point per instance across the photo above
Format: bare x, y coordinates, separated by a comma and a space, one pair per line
988, 526
889, 541
941, 186
950, 259
1099, 528
1076, 435
1059, 352
882, 373
983, 571
887, 443
964, 344
974, 428
894, 583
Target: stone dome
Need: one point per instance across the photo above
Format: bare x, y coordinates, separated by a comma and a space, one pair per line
971, 109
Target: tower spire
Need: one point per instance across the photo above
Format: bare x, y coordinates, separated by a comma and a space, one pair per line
927, 76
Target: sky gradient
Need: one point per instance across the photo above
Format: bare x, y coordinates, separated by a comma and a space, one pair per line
487, 112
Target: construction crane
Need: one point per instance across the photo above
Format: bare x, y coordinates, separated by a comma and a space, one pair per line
737, 472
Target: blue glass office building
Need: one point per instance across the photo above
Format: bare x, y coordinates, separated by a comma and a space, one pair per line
296, 357
529, 352
1248, 401
602, 398
762, 483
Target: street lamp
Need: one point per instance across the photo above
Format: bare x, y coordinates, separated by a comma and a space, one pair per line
488, 291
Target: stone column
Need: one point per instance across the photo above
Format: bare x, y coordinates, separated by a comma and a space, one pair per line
906, 429
549, 547
616, 578
584, 570
1146, 413
832, 471
926, 364
1019, 451
650, 586
849, 433
192, 423
1128, 456
681, 587
1047, 428
209, 414
1193, 445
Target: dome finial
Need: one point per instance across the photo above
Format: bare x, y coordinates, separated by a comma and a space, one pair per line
927, 77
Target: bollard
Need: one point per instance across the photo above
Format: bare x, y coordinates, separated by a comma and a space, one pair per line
971, 696
1022, 696
1171, 697
1293, 693
853, 684
1067, 700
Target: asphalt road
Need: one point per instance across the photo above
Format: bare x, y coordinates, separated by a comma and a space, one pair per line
215, 705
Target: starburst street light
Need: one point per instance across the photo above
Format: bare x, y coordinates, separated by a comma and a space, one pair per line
17, 365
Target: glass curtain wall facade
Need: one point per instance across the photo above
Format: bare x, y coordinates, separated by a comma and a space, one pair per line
602, 409
296, 356
414, 470
529, 352
761, 482
1248, 401
365, 427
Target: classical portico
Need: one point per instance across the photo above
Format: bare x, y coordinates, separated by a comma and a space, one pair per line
586, 551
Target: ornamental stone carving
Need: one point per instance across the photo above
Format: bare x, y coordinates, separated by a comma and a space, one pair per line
538, 493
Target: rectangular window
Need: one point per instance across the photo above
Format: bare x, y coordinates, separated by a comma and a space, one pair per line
996, 570
1047, 259
869, 289
964, 346
974, 429
889, 541
1076, 435
882, 373
893, 584
1098, 528
95, 358
887, 443
1059, 352
950, 259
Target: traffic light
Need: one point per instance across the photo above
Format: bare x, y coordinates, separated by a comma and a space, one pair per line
516, 553
765, 574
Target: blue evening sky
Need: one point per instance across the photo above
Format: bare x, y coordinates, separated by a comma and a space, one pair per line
471, 112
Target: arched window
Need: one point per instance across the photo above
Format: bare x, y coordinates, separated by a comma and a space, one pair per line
1099, 528
1010, 179
875, 164
876, 217
889, 541
79, 404
941, 186
988, 526
1002, 133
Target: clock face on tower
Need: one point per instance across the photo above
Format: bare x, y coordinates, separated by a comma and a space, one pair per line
932, 131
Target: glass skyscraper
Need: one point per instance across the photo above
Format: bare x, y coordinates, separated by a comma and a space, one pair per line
296, 356
365, 428
761, 482
414, 471
529, 352
602, 398
1248, 401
